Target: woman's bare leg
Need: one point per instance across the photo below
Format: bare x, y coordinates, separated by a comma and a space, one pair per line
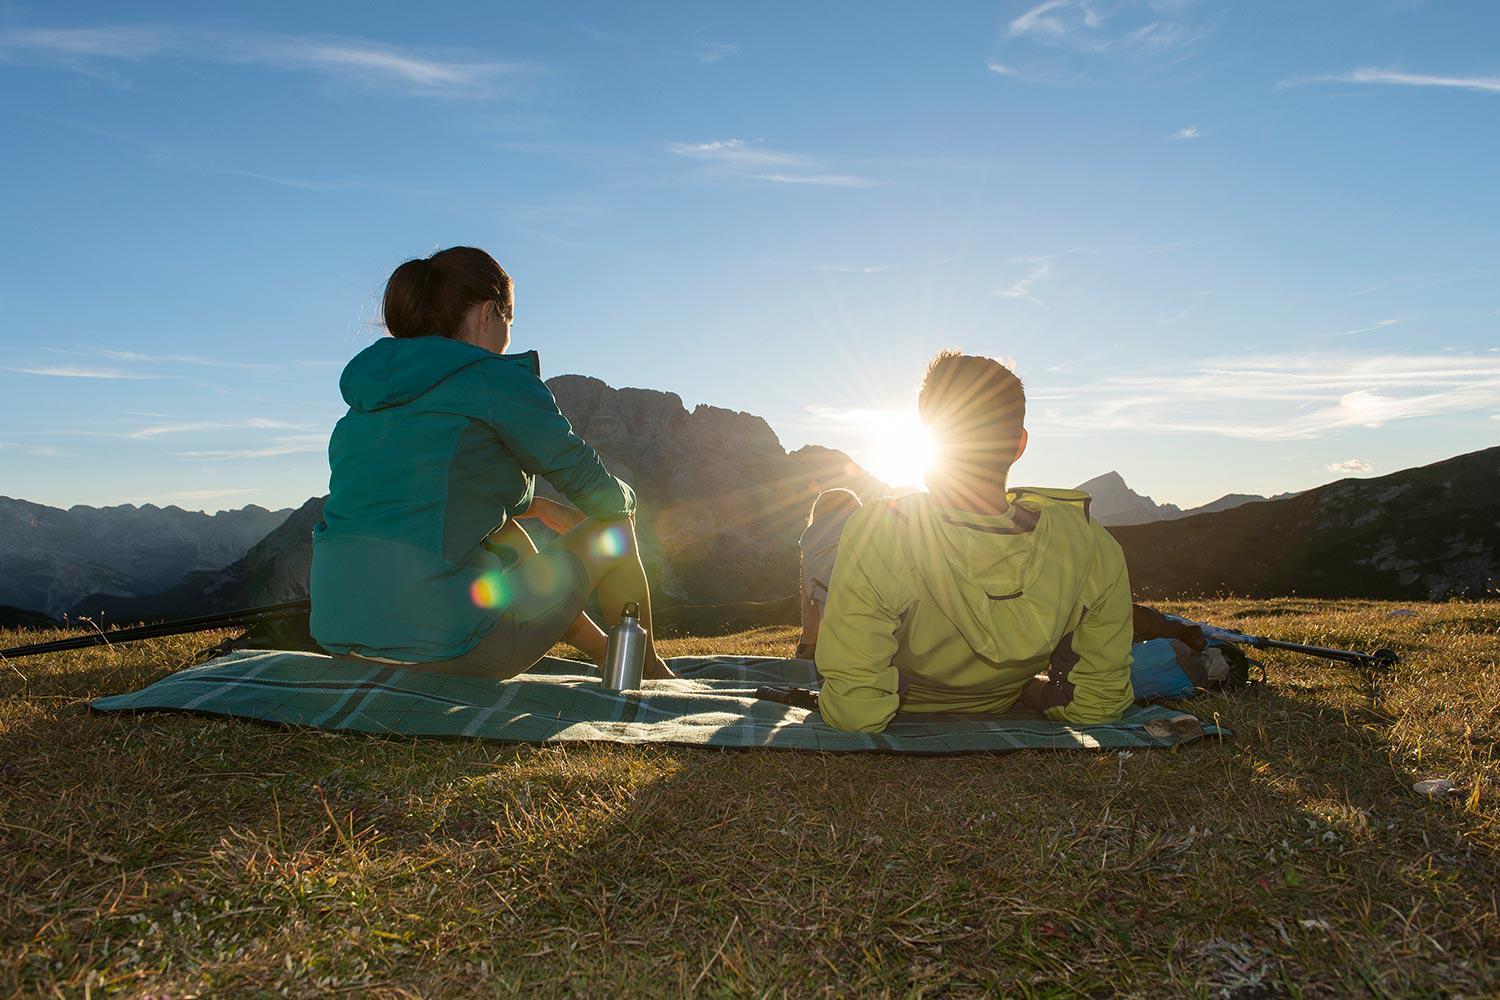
612, 560
583, 635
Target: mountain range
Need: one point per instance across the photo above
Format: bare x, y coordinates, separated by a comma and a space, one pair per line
722, 506
1117, 504
50, 558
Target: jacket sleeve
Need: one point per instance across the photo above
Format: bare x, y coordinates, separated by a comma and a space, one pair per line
1088, 678
857, 639
524, 413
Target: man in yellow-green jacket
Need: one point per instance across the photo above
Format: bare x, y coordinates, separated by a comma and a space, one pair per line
973, 595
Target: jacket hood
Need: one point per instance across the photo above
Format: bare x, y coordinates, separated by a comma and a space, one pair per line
976, 568
393, 370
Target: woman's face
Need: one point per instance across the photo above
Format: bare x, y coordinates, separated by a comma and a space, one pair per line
488, 326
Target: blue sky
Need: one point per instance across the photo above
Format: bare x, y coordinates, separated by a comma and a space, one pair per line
1245, 247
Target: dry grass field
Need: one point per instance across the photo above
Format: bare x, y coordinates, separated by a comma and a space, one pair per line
173, 856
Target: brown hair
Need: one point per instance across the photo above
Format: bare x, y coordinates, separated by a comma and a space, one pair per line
832, 501
432, 295
976, 407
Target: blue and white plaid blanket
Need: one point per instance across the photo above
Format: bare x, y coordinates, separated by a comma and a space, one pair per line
711, 704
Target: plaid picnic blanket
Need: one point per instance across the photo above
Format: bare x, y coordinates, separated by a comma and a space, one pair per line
711, 704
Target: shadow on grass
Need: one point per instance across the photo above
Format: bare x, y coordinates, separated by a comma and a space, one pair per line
195, 854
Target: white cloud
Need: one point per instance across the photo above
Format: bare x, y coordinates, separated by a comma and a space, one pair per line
1100, 26
64, 371
40, 450
1354, 465
135, 357
1048, 18
1186, 311
216, 494
842, 269
1384, 324
1020, 289
355, 60
292, 444
708, 53
1481, 84
1014, 72
1284, 397
194, 426
1187, 132
118, 42
738, 158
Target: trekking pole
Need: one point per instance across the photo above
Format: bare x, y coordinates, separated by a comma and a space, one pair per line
243, 618
1381, 659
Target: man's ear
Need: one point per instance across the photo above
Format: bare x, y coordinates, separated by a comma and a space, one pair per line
1021, 448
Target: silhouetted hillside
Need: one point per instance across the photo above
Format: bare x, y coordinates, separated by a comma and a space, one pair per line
1424, 533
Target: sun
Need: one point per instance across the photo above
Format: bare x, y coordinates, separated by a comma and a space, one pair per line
899, 449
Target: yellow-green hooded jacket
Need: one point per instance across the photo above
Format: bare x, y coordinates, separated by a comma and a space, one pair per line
933, 609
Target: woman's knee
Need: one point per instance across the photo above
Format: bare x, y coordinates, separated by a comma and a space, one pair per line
602, 541
602, 547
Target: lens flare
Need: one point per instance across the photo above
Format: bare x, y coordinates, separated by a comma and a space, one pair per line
610, 543
489, 590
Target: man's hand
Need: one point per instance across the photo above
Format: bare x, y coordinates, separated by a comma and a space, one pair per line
1031, 693
554, 515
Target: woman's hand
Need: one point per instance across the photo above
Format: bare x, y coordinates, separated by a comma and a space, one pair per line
554, 515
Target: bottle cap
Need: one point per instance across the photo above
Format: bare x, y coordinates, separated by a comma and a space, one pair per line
631, 611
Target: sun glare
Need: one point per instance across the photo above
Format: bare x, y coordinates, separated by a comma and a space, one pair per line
899, 450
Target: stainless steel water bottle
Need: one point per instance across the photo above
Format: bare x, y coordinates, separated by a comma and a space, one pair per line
625, 654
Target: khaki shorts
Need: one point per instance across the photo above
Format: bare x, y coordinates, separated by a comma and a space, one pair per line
543, 596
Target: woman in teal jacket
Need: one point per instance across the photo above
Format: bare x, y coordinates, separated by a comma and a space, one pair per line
420, 559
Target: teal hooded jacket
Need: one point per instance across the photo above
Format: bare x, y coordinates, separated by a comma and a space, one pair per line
441, 445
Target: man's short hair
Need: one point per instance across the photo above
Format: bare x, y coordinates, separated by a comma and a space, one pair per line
976, 408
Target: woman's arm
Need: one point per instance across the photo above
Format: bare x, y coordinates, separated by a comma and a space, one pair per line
525, 415
558, 517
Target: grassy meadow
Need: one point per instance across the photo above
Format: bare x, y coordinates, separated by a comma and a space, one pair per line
173, 856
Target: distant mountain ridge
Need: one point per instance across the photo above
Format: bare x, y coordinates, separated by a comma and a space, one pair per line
50, 557
273, 569
1115, 503
1427, 533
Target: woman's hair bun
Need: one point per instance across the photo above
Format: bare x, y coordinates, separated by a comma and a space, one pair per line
429, 296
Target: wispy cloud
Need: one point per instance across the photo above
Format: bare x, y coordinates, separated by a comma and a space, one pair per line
1384, 324
66, 371
1186, 311
843, 269
1013, 72
1396, 78
738, 158
135, 357
1020, 289
1284, 397
1187, 132
351, 60
708, 53
1112, 26
190, 360
196, 426
1354, 465
38, 450
213, 494
292, 444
